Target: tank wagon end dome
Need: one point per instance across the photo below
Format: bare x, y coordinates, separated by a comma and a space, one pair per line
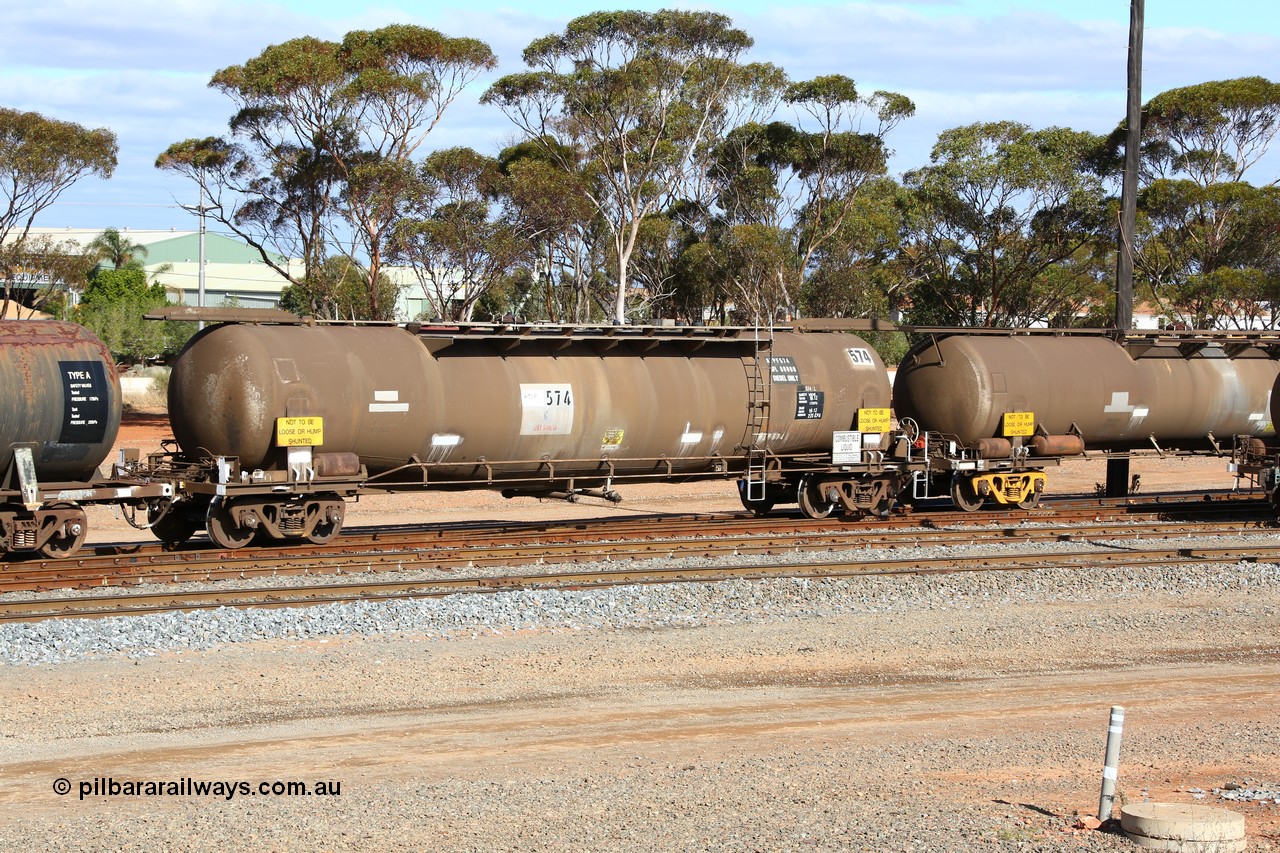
59, 391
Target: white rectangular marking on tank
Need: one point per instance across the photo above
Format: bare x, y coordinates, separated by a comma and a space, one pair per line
1119, 403
546, 408
1140, 412
691, 438
386, 396
446, 440
388, 407
861, 357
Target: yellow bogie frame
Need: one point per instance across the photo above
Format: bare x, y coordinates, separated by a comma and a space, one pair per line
1022, 488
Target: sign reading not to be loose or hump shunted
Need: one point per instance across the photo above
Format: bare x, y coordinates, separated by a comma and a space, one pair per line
1019, 423
299, 432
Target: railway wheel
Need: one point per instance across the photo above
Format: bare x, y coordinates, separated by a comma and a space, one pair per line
758, 507
811, 501
1030, 502
964, 496
329, 526
172, 524
70, 536
223, 529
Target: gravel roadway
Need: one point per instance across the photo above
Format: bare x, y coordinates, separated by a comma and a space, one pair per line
954, 714
975, 725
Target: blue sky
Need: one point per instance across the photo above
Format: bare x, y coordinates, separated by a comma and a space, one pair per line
142, 68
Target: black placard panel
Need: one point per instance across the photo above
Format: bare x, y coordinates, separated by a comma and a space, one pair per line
86, 395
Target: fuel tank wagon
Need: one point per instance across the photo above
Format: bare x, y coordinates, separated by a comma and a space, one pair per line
501, 407
1108, 396
60, 410
59, 398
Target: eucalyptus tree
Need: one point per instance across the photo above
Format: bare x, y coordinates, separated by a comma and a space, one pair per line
835, 161
40, 158
798, 186
1003, 226
283, 210
458, 239
803, 182
337, 290
549, 195
324, 139
643, 95
1207, 242
856, 271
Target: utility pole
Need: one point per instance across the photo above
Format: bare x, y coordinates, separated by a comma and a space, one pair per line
1118, 469
1132, 155
200, 278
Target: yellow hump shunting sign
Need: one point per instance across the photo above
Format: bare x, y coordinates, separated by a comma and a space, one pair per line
1019, 423
873, 420
299, 432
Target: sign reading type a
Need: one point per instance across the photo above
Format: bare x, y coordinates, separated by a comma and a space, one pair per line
86, 399
299, 432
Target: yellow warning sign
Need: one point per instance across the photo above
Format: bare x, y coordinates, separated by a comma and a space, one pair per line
299, 432
1019, 423
873, 420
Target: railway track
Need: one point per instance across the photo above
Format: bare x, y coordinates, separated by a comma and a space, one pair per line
466, 546
383, 590
472, 558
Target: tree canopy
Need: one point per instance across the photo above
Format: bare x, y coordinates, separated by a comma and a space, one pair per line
657, 172
637, 97
40, 158
323, 140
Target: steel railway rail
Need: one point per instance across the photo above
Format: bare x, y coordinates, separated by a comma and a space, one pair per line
468, 546
577, 543
158, 602
462, 546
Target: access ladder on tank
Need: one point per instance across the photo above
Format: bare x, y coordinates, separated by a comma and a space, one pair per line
759, 385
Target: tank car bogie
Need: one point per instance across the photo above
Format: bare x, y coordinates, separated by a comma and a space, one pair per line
54, 531
235, 522
820, 495
1006, 488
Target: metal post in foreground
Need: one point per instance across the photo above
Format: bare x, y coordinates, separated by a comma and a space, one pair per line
1117, 476
1110, 771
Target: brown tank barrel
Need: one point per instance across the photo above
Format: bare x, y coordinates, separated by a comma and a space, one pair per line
964, 386
59, 392
388, 395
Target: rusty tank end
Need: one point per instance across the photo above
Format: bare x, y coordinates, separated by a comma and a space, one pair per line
58, 392
963, 385
388, 395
